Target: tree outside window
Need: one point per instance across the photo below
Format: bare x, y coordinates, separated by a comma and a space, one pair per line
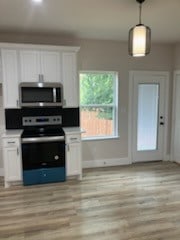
98, 104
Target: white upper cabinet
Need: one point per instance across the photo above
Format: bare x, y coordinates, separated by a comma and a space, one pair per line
10, 78
70, 81
29, 65
51, 66
40, 66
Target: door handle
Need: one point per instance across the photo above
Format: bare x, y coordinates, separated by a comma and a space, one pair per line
161, 123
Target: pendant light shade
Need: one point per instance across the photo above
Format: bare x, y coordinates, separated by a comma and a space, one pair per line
139, 38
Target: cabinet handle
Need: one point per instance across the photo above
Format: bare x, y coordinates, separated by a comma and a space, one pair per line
67, 147
11, 142
17, 103
41, 78
74, 139
17, 151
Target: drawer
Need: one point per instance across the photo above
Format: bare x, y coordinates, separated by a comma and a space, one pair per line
50, 175
10, 142
42, 175
73, 138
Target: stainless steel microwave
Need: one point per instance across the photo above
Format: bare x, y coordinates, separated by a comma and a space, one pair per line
40, 94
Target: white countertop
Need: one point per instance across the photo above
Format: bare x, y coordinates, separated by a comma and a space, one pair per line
12, 133
17, 133
73, 130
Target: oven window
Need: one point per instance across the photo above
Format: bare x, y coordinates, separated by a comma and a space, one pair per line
31, 94
47, 154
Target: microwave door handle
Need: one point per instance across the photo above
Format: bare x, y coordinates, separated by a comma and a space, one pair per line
54, 95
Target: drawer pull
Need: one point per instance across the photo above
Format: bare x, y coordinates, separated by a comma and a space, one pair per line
11, 142
74, 139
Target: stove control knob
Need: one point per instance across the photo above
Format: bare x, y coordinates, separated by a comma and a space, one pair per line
56, 157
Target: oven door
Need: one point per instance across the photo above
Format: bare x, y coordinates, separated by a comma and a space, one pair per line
43, 152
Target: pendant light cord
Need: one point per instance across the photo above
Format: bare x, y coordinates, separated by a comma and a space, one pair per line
140, 10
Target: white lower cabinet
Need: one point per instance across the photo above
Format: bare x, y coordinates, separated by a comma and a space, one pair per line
73, 156
12, 160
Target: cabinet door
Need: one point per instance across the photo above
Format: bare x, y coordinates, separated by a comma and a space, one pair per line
12, 164
70, 82
10, 78
73, 159
50, 66
30, 65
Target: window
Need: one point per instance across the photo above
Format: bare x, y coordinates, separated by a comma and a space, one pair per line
98, 104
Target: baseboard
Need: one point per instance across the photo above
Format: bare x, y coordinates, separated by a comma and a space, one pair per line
167, 158
102, 163
177, 162
1, 172
106, 162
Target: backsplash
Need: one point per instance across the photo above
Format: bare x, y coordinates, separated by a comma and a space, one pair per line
13, 117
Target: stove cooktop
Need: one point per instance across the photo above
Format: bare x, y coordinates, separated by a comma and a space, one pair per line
42, 132
42, 126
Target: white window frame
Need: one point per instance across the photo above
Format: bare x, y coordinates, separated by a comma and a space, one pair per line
114, 105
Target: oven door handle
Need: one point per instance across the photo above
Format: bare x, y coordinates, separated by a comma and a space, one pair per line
42, 139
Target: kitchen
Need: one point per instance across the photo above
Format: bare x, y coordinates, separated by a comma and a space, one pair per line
36, 106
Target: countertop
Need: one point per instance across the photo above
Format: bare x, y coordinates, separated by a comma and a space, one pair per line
17, 133
12, 133
73, 130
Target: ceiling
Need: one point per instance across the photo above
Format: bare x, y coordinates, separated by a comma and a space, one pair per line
94, 19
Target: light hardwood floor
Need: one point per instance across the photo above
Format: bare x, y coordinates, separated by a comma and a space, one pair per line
137, 202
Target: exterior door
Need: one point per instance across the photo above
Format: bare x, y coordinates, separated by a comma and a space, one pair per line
176, 119
148, 117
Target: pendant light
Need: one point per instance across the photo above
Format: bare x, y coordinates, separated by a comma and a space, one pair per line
139, 37
37, 1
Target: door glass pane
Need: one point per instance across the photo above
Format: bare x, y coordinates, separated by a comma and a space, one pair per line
147, 122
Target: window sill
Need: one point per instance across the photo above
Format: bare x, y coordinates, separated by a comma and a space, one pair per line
101, 138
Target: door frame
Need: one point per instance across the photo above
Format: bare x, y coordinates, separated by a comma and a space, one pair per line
166, 75
175, 75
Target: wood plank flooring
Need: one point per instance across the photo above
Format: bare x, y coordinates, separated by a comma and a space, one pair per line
137, 202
